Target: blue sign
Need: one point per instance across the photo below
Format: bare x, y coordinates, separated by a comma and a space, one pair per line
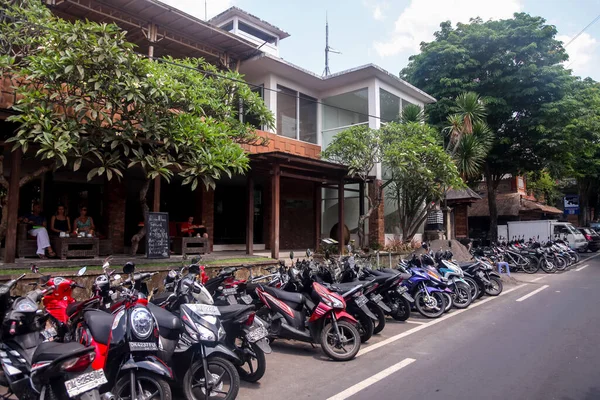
572, 211
571, 202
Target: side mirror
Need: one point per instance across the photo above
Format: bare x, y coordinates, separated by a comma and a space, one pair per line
291, 255
195, 260
349, 248
35, 269
106, 265
308, 253
129, 268
194, 269
117, 277
81, 272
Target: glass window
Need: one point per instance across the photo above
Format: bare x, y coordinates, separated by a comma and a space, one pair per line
389, 105
228, 26
342, 111
257, 33
286, 112
308, 118
405, 103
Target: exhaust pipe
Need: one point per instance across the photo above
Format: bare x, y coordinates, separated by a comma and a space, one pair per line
108, 396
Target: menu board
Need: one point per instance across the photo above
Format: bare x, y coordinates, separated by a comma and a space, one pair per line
157, 235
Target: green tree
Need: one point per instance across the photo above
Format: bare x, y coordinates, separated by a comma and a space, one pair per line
515, 65
85, 97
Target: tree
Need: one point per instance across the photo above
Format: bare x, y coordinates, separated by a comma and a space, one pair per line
515, 65
360, 149
86, 97
420, 170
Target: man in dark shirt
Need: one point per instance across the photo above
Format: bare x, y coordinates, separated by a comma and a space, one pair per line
37, 227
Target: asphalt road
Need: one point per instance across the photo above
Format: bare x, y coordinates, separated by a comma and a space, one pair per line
544, 346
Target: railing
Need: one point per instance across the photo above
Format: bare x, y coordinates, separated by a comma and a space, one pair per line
328, 134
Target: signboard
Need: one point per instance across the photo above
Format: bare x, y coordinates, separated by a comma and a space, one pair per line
571, 203
157, 235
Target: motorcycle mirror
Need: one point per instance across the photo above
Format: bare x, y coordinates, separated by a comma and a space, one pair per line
291, 255
106, 265
195, 260
35, 269
129, 268
194, 269
81, 272
117, 277
308, 253
424, 245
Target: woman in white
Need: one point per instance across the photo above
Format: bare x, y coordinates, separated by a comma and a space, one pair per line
37, 225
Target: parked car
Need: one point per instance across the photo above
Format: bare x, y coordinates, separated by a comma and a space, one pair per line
592, 237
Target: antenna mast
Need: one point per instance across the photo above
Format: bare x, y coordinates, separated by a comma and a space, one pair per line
328, 49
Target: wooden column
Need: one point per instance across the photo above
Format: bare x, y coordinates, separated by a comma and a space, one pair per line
317, 208
275, 186
13, 206
250, 217
156, 202
341, 216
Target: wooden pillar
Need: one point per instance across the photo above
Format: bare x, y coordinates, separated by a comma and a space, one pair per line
317, 208
156, 202
275, 186
250, 217
13, 206
341, 217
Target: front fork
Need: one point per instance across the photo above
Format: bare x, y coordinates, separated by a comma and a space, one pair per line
132, 384
427, 296
336, 328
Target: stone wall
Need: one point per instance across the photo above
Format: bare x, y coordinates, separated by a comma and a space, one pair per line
377, 220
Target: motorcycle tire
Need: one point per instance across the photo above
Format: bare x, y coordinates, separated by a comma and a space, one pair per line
193, 387
380, 323
364, 324
428, 312
497, 289
253, 375
328, 341
402, 311
532, 267
474, 287
577, 257
158, 383
462, 296
448, 305
561, 263
547, 266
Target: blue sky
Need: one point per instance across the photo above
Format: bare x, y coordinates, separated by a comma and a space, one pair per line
387, 32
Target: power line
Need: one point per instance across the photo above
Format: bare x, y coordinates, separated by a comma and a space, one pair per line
211, 73
583, 30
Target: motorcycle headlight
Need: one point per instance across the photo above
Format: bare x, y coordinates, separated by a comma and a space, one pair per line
141, 322
205, 333
221, 332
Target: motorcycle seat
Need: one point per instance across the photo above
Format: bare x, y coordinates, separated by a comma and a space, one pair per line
50, 351
169, 325
347, 286
467, 264
160, 298
233, 311
292, 297
100, 324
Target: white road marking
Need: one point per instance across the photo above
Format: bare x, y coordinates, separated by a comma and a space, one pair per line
352, 390
416, 329
580, 268
558, 291
532, 293
415, 322
537, 279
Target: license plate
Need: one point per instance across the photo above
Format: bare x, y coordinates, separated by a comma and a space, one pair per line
257, 334
204, 309
143, 346
361, 300
402, 289
247, 299
49, 333
376, 298
229, 291
85, 382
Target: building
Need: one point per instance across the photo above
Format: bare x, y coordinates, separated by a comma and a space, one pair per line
291, 197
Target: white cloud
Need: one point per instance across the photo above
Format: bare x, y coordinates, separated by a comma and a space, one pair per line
583, 54
422, 18
377, 14
196, 7
376, 8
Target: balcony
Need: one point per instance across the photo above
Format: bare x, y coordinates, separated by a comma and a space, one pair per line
286, 145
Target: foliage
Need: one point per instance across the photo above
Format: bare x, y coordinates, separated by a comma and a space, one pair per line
421, 172
412, 113
515, 65
543, 186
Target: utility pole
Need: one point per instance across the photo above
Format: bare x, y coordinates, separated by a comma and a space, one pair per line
328, 49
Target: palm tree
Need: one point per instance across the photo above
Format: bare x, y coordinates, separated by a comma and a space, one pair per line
471, 108
412, 113
471, 150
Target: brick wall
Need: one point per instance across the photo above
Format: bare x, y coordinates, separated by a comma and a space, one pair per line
116, 194
377, 220
287, 145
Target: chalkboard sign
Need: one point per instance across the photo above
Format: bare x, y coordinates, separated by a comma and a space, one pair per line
157, 235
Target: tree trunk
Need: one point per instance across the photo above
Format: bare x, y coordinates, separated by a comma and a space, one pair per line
135, 240
584, 186
491, 190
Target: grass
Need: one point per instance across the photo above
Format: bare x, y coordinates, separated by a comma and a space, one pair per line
216, 263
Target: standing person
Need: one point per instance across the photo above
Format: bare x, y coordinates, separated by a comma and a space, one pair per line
37, 228
84, 223
60, 222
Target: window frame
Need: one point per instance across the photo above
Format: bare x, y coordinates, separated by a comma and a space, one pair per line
304, 96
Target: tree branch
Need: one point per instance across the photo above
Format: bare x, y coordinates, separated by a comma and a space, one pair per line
40, 171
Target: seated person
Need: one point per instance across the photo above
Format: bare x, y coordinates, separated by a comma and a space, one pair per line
60, 222
189, 229
37, 228
84, 223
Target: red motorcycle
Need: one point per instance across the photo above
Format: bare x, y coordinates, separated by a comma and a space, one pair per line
328, 322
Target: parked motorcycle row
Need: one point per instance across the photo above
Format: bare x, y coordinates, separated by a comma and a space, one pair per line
200, 336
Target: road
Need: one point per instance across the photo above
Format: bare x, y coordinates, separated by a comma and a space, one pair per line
538, 340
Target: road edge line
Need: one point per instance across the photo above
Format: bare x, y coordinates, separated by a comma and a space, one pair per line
536, 291
583, 267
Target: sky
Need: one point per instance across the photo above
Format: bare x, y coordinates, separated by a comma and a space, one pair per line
388, 32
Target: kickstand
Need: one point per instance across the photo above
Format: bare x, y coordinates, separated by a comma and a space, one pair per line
313, 345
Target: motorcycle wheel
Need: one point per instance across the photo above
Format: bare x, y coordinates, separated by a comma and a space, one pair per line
430, 311
253, 372
533, 266
496, 287
448, 304
402, 310
561, 263
462, 296
221, 371
147, 383
474, 287
350, 337
547, 266
365, 325
577, 257
380, 323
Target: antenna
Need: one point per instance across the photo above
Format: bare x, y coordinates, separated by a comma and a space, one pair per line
328, 49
